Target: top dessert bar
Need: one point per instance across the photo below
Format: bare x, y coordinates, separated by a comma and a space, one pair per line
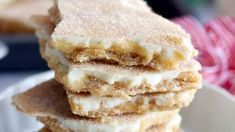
124, 32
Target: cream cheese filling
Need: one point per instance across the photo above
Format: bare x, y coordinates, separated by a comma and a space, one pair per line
116, 125
146, 49
76, 73
153, 79
175, 122
94, 103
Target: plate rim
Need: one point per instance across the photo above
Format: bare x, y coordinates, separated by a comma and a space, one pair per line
220, 90
23, 81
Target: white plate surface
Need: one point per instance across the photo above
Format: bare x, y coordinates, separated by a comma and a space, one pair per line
3, 50
213, 109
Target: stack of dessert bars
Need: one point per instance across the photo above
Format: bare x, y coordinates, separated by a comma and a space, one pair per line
118, 67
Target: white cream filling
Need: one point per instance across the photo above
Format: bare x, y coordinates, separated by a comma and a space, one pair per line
149, 48
78, 73
93, 103
116, 125
109, 77
175, 122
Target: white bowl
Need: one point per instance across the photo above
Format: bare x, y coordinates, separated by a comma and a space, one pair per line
213, 109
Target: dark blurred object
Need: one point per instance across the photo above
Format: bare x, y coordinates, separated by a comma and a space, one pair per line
23, 54
166, 8
203, 10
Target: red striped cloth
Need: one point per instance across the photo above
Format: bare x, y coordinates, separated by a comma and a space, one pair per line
215, 41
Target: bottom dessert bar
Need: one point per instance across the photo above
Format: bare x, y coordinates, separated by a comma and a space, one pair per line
85, 104
52, 125
50, 105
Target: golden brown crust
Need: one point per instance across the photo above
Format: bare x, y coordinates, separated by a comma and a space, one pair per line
52, 125
45, 129
49, 97
162, 128
78, 55
54, 14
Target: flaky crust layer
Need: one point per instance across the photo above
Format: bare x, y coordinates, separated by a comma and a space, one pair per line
121, 89
117, 55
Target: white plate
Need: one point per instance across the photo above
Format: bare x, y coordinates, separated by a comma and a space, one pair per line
213, 109
3, 50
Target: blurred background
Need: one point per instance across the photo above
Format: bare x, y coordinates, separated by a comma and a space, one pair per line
19, 51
